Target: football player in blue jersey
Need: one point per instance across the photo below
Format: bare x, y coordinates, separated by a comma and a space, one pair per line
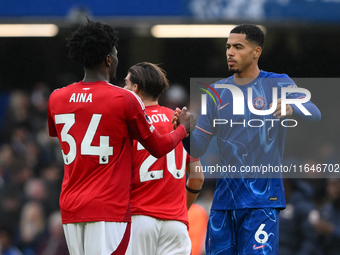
250, 126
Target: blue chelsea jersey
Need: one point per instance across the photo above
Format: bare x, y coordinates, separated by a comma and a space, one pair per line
248, 143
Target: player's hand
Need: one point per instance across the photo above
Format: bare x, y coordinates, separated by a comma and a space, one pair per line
277, 113
175, 118
186, 119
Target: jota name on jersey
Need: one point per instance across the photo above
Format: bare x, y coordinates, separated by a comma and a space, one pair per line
158, 117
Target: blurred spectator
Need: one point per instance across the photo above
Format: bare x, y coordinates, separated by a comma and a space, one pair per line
7, 159
32, 227
49, 148
198, 220
326, 152
39, 100
54, 243
24, 173
317, 180
17, 114
207, 194
175, 96
4, 99
328, 226
52, 176
10, 206
19, 174
25, 146
6, 244
296, 234
37, 190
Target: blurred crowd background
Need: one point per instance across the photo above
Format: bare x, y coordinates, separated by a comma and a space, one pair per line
302, 39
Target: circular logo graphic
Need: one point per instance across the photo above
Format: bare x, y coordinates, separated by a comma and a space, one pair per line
259, 103
148, 119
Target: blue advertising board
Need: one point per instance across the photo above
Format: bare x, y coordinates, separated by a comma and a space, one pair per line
252, 10
59, 8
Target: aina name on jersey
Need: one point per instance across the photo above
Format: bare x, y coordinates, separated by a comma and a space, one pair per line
81, 98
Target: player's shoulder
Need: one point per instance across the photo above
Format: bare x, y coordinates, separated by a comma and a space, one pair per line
132, 97
265, 74
129, 96
277, 79
228, 80
118, 90
167, 110
159, 109
59, 92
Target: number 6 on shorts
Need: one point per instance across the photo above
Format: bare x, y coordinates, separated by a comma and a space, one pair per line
261, 236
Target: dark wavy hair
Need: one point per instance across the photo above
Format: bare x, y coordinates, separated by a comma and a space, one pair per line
91, 43
150, 78
253, 33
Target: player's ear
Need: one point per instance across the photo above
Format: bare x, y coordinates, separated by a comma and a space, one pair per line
257, 52
135, 88
108, 60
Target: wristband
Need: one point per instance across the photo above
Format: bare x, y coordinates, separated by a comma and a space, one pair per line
194, 191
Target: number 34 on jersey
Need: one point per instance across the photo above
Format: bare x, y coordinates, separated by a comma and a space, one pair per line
103, 150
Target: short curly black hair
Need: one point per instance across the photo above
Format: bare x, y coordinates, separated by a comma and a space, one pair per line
253, 33
91, 43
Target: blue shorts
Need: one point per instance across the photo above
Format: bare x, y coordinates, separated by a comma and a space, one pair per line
241, 232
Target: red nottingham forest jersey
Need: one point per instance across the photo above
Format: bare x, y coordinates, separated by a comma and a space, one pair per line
96, 124
158, 186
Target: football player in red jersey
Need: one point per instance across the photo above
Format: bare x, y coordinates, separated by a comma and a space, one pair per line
159, 199
96, 123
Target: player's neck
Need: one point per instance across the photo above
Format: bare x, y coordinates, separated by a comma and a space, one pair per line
247, 75
148, 101
92, 75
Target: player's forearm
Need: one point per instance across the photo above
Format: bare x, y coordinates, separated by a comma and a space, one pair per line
159, 145
312, 108
195, 182
197, 143
191, 198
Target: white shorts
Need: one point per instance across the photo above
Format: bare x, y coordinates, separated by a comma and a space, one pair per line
151, 236
100, 238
